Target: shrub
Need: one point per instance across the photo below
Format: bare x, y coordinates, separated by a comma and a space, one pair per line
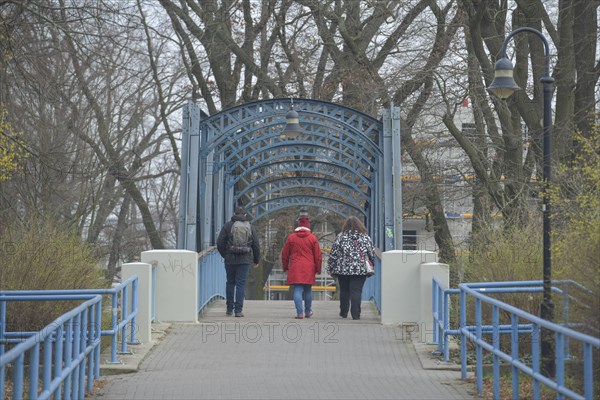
42, 255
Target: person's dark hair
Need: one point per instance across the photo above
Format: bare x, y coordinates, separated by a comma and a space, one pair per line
239, 211
354, 224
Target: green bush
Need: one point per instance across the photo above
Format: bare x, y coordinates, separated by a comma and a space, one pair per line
43, 255
514, 254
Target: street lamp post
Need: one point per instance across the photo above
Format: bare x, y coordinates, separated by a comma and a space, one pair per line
503, 86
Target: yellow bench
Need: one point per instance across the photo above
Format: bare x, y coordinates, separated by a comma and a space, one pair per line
286, 287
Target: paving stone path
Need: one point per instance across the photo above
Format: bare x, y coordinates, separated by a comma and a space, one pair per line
268, 354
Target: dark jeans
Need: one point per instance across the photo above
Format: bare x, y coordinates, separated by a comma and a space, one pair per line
236, 283
350, 294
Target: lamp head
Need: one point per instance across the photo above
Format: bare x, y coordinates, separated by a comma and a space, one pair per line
292, 126
503, 84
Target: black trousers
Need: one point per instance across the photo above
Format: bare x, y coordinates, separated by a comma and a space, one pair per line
351, 287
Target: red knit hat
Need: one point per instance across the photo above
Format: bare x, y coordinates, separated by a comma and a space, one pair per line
304, 221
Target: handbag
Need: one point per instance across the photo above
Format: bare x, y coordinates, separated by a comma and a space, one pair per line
368, 264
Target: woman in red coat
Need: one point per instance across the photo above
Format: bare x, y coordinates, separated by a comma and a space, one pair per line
301, 259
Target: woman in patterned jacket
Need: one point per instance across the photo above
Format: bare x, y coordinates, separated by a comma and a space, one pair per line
347, 263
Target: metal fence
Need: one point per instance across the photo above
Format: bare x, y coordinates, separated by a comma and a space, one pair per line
69, 349
372, 287
124, 309
480, 332
211, 277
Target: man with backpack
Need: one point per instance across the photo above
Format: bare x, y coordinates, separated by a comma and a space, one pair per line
238, 244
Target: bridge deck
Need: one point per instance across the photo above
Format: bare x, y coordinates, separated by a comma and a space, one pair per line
270, 355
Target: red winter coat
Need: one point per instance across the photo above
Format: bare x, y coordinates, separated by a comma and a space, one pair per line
301, 257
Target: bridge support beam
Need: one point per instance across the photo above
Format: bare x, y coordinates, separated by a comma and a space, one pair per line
392, 180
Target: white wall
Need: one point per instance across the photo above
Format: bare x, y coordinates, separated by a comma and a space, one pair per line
406, 286
176, 296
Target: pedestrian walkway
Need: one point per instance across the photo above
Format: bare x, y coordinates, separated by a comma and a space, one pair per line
270, 355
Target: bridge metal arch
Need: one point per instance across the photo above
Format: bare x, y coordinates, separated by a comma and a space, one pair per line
246, 118
283, 189
235, 139
290, 166
270, 187
299, 148
264, 208
222, 155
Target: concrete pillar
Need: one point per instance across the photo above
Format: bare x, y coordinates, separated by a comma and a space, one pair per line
176, 291
143, 319
401, 292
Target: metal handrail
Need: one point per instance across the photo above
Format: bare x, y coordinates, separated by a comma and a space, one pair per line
61, 369
126, 291
475, 333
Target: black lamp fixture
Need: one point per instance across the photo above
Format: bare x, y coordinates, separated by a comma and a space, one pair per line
504, 86
292, 126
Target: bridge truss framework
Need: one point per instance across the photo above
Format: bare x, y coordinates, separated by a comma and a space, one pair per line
345, 161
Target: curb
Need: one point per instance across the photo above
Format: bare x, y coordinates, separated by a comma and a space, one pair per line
130, 363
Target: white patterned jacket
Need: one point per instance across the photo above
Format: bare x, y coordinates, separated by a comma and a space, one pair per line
345, 257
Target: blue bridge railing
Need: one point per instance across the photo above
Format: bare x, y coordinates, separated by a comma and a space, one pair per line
531, 327
211, 277
441, 306
372, 287
69, 349
124, 309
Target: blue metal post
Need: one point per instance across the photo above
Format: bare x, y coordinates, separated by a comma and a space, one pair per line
2, 325
446, 326
496, 344
58, 358
514, 341
535, 359
98, 316
134, 308
2, 376
183, 181
388, 182
47, 367
566, 318
435, 313
463, 338
478, 349
397, 168
113, 324
91, 338
34, 369
560, 363
18, 377
124, 314
83, 341
588, 371
76, 352
68, 355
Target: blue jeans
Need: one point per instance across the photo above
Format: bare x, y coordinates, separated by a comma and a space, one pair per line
236, 283
303, 292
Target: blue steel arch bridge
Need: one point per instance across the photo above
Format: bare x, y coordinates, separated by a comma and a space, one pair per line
344, 161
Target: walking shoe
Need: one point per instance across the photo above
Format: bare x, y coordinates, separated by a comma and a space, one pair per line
308, 314
228, 312
343, 316
239, 314
299, 316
